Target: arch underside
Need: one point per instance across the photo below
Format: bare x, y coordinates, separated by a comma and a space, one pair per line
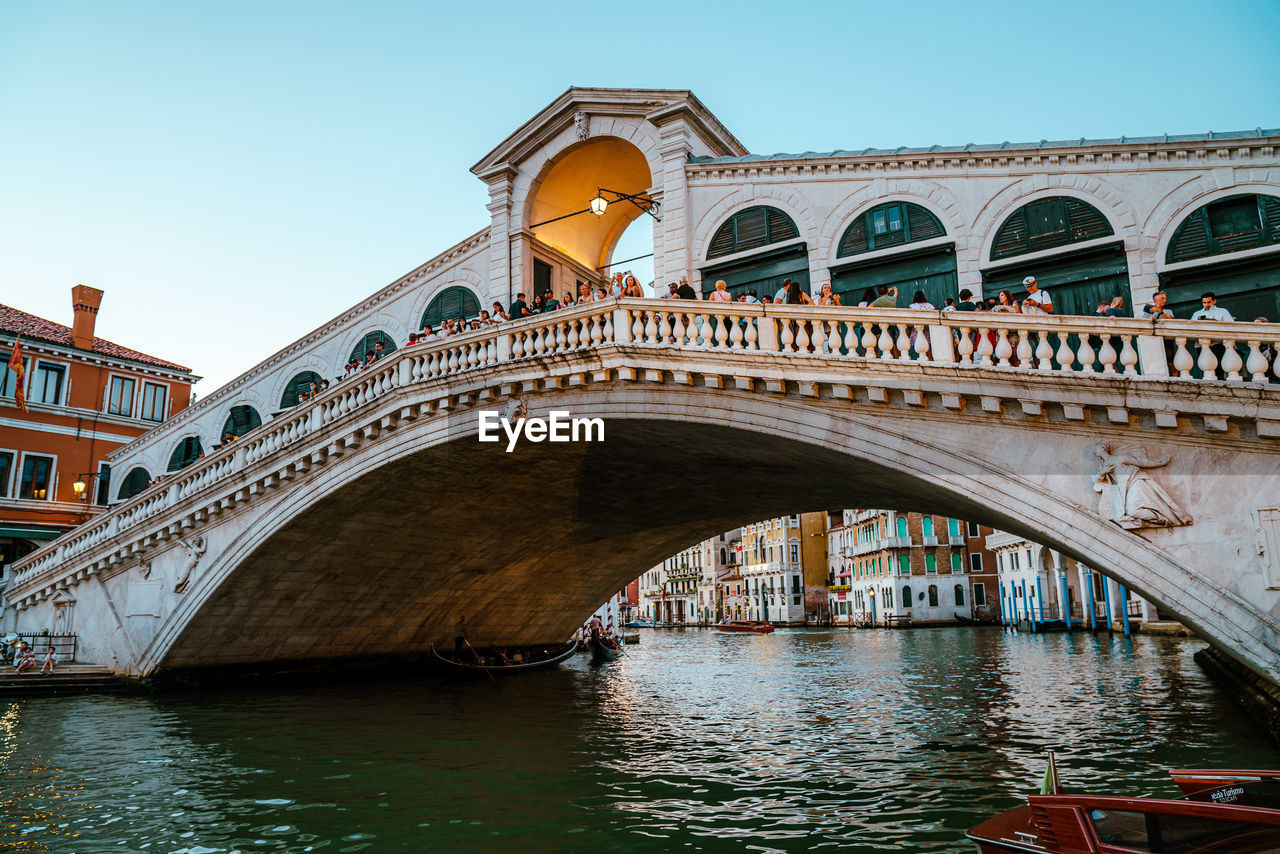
527, 544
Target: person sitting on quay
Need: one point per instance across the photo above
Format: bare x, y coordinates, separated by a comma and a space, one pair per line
1211, 310
50, 659
26, 658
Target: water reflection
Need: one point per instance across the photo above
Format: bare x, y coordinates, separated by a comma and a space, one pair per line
888, 741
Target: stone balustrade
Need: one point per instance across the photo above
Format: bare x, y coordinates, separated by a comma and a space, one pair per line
1121, 349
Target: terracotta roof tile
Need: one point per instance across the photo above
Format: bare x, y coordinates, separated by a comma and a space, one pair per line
38, 329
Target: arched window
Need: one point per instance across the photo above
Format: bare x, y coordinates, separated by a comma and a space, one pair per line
889, 225
724, 557
930, 564
904, 564
241, 420
751, 229
297, 387
186, 453
1048, 223
456, 302
927, 526
369, 342
902, 526
933, 595
959, 591
906, 596
1227, 225
134, 482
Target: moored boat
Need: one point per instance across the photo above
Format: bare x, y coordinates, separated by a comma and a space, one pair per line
755, 626
1223, 812
554, 656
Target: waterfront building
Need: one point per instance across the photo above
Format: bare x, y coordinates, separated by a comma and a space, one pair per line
85, 397
720, 555
783, 569
981, 567
669, 591
887, 566
1038, 584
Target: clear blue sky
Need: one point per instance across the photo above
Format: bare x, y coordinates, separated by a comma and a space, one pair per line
234, 174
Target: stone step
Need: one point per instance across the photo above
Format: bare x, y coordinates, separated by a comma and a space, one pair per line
66, 679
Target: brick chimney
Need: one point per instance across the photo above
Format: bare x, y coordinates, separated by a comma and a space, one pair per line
84, 305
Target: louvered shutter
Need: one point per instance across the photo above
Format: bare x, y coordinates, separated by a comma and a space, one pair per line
1048, 224
922, 225
1191, 240
457, 303
1232, 224
1085, 221
243, 419
370, 341
187, 452
854, 241
780, 226
751, 229
300, 384
722, 243
134, 482
1011, 239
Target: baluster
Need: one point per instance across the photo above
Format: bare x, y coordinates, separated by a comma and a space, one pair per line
1128, 356
562, 340
922, 343
752, 335
1107, 355
453, 360
651, 328
517, 345
735, 332
985, 347
1044, 351
664, 329
1003, 349
965, 346
1024, 350
721, 330
1065, 356
678, 329
637, 328
885, 343
786, 337
819, 337
903, 343
1256, 364
1087, 355
1207, 363
802, 337
573, 339
1182, 359
606, 334
850, 339
1231, 361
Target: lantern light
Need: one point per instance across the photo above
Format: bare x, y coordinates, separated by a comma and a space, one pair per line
79, 487
599, 204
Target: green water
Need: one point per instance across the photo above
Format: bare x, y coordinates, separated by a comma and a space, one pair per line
699, 741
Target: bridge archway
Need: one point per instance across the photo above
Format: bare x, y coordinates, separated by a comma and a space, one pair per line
571, 245
291, 581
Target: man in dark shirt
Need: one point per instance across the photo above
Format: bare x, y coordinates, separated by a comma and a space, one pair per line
686, 291
519, 308
966, 301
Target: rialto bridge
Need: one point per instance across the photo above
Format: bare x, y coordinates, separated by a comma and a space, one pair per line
364, 520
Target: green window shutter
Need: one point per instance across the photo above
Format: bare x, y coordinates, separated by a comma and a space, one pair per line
926, 525
751, 229
1232, 224
1191, 240
134, 482
1047, 224
930, 564
241, 420
959, 592
957, 562
297, 386
186, 453
902, 526
953, 527
933, 595
904, 564
892, 224
453, 303
371, 340
906, 596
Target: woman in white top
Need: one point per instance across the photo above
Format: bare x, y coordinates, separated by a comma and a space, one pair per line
1006, 302
826, 297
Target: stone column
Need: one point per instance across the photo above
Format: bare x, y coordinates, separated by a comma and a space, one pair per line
499, 206
671, 260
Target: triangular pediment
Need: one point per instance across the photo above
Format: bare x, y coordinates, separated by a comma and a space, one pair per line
660, 106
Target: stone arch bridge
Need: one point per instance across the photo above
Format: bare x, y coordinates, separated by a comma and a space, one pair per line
365, 521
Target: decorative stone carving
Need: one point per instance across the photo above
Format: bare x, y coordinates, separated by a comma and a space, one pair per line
515, 408
195, 550
1137, 501
582, 124
145, 565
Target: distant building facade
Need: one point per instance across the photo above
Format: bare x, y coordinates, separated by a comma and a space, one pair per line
86, 397
783, 570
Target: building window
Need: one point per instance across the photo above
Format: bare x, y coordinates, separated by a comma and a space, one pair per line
134, 482
186, 453
795, 553
751, 229
906, 596
120, 396
979, 595
9, 379
953, 527
933, 595
930, 564
369, 343
902, 526
889, 225
46, 385
959, 591
37, 477
927, 526
957, 562
795, 584
298, 387
1047, 224
973, 529
904, 564
457, 303
154, 401
6, 472
104, 485
1227, 225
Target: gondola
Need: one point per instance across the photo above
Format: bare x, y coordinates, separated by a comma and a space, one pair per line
753, 626
560, 654
604, 649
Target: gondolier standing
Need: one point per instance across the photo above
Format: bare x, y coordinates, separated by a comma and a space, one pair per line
459, 636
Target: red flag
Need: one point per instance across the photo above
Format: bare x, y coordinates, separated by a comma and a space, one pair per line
20, 375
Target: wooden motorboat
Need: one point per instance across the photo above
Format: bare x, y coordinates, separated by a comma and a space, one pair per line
756, 626
1223, 812
555, 656
604, 649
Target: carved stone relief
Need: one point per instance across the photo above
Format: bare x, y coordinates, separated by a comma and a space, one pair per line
1130, 495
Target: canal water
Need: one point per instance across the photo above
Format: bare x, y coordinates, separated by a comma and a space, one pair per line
697, 741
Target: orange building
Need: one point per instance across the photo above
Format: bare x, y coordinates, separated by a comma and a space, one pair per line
85, 398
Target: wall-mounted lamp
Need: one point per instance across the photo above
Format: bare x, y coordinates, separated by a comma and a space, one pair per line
599, 204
